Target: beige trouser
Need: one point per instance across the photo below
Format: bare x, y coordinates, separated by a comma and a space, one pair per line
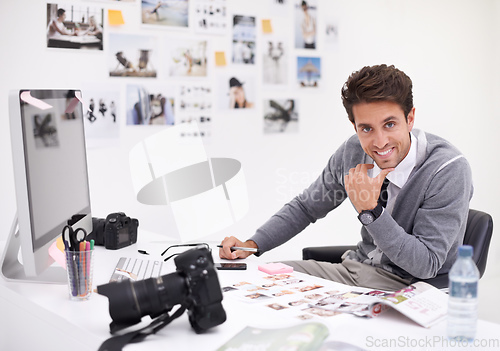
351, 272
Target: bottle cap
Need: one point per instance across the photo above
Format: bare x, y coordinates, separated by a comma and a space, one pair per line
465, 251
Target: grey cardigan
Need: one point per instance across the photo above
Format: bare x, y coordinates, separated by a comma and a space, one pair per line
419, 239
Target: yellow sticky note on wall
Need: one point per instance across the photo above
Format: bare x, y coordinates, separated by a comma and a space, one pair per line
115, 18
220, 58
266, 26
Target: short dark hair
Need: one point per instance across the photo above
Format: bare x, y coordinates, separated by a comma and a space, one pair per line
377, 83
60, 12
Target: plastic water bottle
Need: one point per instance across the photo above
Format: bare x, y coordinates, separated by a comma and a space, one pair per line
463, 300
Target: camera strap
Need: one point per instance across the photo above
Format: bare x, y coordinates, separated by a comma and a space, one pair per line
116, 343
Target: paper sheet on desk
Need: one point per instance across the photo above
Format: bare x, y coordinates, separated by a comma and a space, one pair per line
306, 297
421, 302
307, 336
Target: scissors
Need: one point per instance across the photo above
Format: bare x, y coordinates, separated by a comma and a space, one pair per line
71, 239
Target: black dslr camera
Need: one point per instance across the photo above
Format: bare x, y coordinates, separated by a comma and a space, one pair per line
195, 286
114, 232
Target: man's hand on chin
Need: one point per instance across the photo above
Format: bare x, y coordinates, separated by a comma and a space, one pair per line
364, 191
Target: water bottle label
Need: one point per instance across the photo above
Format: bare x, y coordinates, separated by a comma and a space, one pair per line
466, 290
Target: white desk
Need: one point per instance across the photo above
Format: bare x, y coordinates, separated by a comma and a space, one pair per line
41, 317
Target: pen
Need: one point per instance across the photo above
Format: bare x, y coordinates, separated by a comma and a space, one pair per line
82, 269
87, 266
66, 245
74, 272
234, 248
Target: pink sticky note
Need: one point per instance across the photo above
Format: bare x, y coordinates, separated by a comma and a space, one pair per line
26, 97
57, 254
275, 268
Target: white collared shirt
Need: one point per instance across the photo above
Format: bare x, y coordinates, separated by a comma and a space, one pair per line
400, 175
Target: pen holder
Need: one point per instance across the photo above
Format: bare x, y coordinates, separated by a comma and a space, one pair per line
80, 269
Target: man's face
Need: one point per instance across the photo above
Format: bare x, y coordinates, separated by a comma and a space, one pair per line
383, 131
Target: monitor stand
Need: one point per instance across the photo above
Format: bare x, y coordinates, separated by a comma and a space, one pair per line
13, 269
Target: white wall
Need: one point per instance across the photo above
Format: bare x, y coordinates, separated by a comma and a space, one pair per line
448, 47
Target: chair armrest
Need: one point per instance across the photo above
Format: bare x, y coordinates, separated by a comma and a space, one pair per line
332, 254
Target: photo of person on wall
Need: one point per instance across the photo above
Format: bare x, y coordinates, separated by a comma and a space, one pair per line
305, 24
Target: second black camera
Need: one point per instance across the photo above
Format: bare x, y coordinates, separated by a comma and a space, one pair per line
116, 231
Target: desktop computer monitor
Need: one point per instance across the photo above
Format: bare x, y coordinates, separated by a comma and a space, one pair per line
51, 180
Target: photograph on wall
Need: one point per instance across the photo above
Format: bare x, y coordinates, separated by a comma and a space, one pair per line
331, 35
187, 58
167, 13
102, 115
275, 61
114, 1
195, 104
71, 26
210, 16
281, 116
244, 34
150, 104
236, 92
305, 24
308, 71
132, 55
279, 8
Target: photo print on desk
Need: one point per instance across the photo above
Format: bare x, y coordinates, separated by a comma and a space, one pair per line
210, 16
195, 101
305, 24
275, 60
286, 294
308, 72
244, 34
305, 298
236, 92
186, 58
71, 26
281, 116
150, 104
132, 55
101, 114
165, 13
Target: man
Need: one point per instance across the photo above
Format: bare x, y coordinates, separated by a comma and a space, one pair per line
56, 27
413, 230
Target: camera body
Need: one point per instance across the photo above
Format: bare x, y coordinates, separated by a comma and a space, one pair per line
115, 232
205, 294
194, 285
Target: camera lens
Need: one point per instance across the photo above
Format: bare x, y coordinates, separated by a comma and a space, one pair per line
130, 301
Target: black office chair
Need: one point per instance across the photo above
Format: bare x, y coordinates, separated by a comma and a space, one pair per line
477, 234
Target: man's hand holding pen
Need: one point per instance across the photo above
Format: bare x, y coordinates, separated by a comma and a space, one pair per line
231, 248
